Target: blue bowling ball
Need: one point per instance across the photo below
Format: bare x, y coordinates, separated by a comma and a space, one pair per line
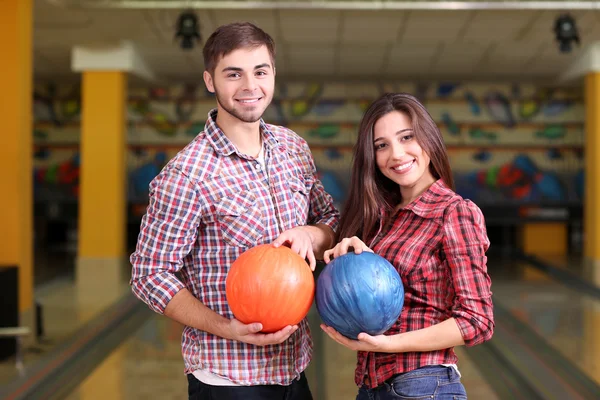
359, 293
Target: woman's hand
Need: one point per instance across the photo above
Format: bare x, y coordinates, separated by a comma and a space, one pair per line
365, 342
342, 248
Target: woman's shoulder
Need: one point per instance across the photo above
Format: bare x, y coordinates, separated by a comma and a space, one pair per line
463, 209
453, 203
440, 197
440, 201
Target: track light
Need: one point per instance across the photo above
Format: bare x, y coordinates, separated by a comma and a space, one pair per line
187, 30
566, 32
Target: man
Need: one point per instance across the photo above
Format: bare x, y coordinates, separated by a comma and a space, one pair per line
239, 183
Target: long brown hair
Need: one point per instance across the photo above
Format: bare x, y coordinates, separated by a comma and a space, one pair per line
230, 37
370, 191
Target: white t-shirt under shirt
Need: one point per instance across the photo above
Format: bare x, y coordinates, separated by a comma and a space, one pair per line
209, 378
261, 158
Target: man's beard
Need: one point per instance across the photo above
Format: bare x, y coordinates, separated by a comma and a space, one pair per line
251, 116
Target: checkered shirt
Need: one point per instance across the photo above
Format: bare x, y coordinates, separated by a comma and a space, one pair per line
208, 205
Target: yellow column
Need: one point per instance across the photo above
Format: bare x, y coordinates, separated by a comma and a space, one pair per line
16, 154
591, 331
102, 193
545, 238
102, 199
102, 214
102, 270
592, 168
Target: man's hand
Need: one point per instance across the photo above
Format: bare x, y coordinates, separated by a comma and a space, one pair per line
249, 333
300, 241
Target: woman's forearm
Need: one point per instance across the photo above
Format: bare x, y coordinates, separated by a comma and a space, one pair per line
436, 337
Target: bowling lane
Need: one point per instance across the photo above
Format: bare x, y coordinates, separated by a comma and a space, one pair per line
148, 364
571, 263
568, 319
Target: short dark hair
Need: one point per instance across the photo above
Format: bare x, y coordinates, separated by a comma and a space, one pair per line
230, 37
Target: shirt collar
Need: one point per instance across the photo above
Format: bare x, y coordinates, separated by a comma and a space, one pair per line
427, 204
221, 142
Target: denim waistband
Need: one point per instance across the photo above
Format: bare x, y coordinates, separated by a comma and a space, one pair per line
429, 370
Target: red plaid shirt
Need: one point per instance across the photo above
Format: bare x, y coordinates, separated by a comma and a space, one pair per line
438, 244
208, 205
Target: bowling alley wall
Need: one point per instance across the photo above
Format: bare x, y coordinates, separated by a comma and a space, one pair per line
509, 144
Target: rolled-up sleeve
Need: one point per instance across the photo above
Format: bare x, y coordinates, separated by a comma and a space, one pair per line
322, 209
167, 234
465, 243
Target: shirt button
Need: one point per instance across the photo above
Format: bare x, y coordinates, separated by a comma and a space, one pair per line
258, 167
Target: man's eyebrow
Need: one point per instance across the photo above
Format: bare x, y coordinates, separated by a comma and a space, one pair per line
238, 69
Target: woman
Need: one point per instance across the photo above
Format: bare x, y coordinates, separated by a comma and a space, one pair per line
402, 206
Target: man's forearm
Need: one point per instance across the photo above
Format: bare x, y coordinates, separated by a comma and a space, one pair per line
323, 238
188, 310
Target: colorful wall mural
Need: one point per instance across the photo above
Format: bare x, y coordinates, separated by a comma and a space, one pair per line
508, 144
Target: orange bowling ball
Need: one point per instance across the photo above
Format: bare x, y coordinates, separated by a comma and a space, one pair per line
270, 285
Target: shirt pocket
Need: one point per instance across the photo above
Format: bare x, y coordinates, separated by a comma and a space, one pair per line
240, 219
420, 261
301, 189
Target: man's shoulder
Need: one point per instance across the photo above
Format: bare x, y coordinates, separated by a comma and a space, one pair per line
196, 159
290, 139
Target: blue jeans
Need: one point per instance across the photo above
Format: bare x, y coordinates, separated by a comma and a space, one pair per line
297, 390
431, 382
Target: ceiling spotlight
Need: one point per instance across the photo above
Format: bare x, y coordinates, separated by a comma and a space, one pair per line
187, 30
566, 32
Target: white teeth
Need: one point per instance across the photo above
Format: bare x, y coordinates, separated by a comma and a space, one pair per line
248, 101
403, 166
